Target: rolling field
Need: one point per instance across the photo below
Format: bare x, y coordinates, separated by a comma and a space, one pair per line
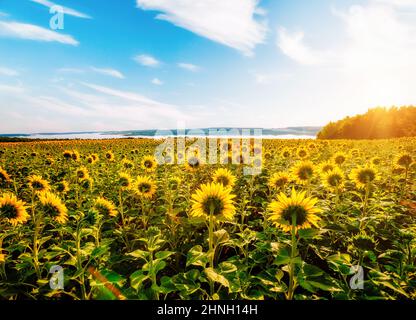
321, 220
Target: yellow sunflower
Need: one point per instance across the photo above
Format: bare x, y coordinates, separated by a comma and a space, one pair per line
215, 199
193, 163
13, 210
145, 187
225, 177
105, 207
149, 164
2, 256
124, 180
38, 184
298, 211
127, 164
326, 166
278, 180
53, 207
364, 175
75, 155
404, 160
303, 172
333, 179
109, 156
4, 176
339, 158
286, 153
67, 154
303, 153
62, 187
82, 173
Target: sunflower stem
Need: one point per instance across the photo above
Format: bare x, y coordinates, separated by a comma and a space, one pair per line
292, 284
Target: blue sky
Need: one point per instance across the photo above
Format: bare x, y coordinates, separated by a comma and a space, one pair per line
141, 64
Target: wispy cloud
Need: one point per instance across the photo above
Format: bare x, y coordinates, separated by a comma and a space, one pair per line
67, 10
71, 70
147, 60
157, 82
232, 23
3, 14
8, 72
32, 32
108, 72
11, 89
189, 66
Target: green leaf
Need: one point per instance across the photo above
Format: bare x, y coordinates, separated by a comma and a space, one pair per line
140, 254
164, 254
216, 277
308, 233
137, 278
196, 257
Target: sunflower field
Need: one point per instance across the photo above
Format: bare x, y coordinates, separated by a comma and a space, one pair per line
321, 220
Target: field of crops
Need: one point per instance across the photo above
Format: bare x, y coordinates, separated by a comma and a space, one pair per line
116, 224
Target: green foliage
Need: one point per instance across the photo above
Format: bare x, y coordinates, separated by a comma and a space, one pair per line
377, 123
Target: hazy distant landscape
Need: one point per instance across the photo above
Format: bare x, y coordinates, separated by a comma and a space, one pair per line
281, 133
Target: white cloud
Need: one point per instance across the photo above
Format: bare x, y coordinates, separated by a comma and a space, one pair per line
108, 72
32, 32
8, 72
189, 66
157, 82
67, 11
10, 89
398, 3
146, 60
232, 23
293, 46
71, 70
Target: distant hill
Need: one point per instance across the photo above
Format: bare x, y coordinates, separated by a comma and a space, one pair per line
377, 123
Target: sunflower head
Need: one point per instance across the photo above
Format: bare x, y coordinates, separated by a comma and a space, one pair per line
75, 155
363, 242
127, 164
82, 173
62, 187
124, 180
109, 156
376, 161
339, 158
86, 183
286, 153
303, 172
105, 207
213, 199
302, 153
38, 184
297, 211
193, 163
145, 187
4, 177
362, 176
67, 154
13, 210
404, 160
278, 180
225, 177
326, 166
333, 179
53, 207
149, 164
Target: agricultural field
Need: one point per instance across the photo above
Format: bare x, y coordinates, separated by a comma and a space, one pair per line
321, 220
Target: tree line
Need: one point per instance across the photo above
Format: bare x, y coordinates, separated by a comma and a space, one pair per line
377, 123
